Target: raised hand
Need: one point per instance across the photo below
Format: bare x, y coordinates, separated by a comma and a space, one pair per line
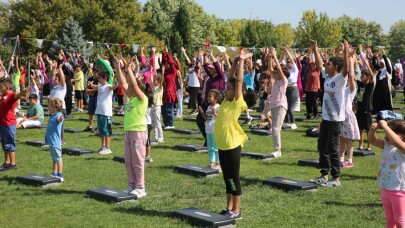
183, 49
313, 44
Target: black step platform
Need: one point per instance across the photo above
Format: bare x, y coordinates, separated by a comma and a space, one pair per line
35, 143
119, 159
38, 180
312, 132
363, 153
110, 195
289, 184
116, 123
191, 148
309, 162
253, 116
204, 218
70, 117
186, 131
76, 151
263, 132
112, 135
118, 114
71, 130
190, 119
257, 155
86, 119
299, 119
196, 170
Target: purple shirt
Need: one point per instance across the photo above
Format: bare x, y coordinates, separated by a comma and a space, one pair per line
216, 82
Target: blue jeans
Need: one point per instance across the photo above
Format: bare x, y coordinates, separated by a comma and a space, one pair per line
179, 104
212, 148
168, 114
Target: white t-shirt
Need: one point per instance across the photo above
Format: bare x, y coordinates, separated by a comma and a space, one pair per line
104, 100
148, 119
333, 107
193, 78
293, 74
349, 97
392, 169
59, 92
210, 121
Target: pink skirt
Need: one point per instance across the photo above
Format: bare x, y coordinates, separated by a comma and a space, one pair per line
350, 128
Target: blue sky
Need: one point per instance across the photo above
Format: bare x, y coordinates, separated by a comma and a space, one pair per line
385, 12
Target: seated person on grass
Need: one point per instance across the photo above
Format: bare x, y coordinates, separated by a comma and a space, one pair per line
35, 114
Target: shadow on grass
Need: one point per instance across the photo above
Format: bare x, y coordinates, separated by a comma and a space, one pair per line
355, 177
167, 167
97, 159
10, 180
142, 211
280, 164
245, 181
63, 191
335, 203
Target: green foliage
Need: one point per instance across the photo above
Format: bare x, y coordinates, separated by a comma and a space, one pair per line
72, 39
326, 31
284, 34
228, 32
258, 33
397, 40
354, 30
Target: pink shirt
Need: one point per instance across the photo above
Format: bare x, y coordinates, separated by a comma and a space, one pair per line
277, 96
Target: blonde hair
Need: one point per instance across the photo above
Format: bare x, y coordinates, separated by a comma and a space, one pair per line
56, 103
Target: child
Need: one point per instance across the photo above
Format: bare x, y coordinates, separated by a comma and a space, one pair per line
34, 89
53, 135
214, 96
35, 114
104, 111
8, 102
230, 138
278, 100
135, 128
350, 129
391, 177
148, 122
156, 107
333, 114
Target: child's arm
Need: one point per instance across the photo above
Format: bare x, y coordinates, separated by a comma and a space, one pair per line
21, 94
185, 55
278, 66
352, 76
62, 76
239, 78
202, 112
121, 79
372, 137
315, 50
132, 81
345, 58
60, 119
393, 137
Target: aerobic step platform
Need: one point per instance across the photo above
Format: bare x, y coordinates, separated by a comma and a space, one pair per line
119, 159
309, 162
289, 184
118, 114
263, 132
363, 153
70, 117
191, 148
38, 180
110, 195
190, 119
76, 151
117, 123
299, 119
196, 170
253, 116
71, 130
259, 156
186, 131
35, 143
86, 119
204, 218
312, 132
112, 135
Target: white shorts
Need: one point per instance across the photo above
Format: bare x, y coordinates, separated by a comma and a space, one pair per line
31, 124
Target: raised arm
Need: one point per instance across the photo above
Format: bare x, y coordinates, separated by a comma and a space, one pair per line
232, 71
278, 66
315, 50
185, 55
345, 58
62, 76
121, 79
134, 84
352, 76
393, 137
372, 137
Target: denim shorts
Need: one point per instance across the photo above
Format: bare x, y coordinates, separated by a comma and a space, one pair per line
56, 154
7, 135
92, 105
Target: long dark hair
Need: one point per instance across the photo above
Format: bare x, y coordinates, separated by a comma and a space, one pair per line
147, 89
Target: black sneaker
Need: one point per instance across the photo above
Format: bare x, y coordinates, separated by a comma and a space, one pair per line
88, 129
224, 211
12, 167
4, 167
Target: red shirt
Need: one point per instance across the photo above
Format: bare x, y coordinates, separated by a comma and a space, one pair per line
7, 106
120, 91
313, 78
169, 90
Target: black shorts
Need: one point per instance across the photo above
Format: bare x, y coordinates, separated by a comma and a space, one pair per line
120, 99
148, 133
364, 120
79, 94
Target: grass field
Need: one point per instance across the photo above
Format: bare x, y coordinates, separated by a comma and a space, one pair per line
355, 204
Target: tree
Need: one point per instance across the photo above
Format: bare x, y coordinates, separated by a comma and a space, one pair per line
355, 30
396, 38
228, 32
284, 35
375, 35
258, 33
326, 31
72, 39
183, 27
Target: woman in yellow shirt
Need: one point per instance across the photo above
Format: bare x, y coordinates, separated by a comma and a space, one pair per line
230, 137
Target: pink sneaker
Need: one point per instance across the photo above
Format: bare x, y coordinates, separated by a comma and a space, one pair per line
347, 164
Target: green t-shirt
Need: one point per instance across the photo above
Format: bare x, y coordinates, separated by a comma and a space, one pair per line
36, 110
16, 78
135, 114
79, 85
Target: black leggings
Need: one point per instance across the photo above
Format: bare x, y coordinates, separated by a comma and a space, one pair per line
312, 103
292, 94
230, 164
193, 102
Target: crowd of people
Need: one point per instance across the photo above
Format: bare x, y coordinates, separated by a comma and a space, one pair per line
351, 86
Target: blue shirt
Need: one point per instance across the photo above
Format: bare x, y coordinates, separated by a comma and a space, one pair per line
249, 81
53, 135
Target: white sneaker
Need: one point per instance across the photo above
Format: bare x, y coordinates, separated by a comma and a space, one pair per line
276, 154
139, 193
105, 151
128, 190
250, 121
169, 127
293, 126
160, 140
286, 126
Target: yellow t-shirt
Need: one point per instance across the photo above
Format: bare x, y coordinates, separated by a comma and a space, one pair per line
79, 85
228, 134
135, 114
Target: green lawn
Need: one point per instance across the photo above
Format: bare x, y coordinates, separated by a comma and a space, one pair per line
355, 204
